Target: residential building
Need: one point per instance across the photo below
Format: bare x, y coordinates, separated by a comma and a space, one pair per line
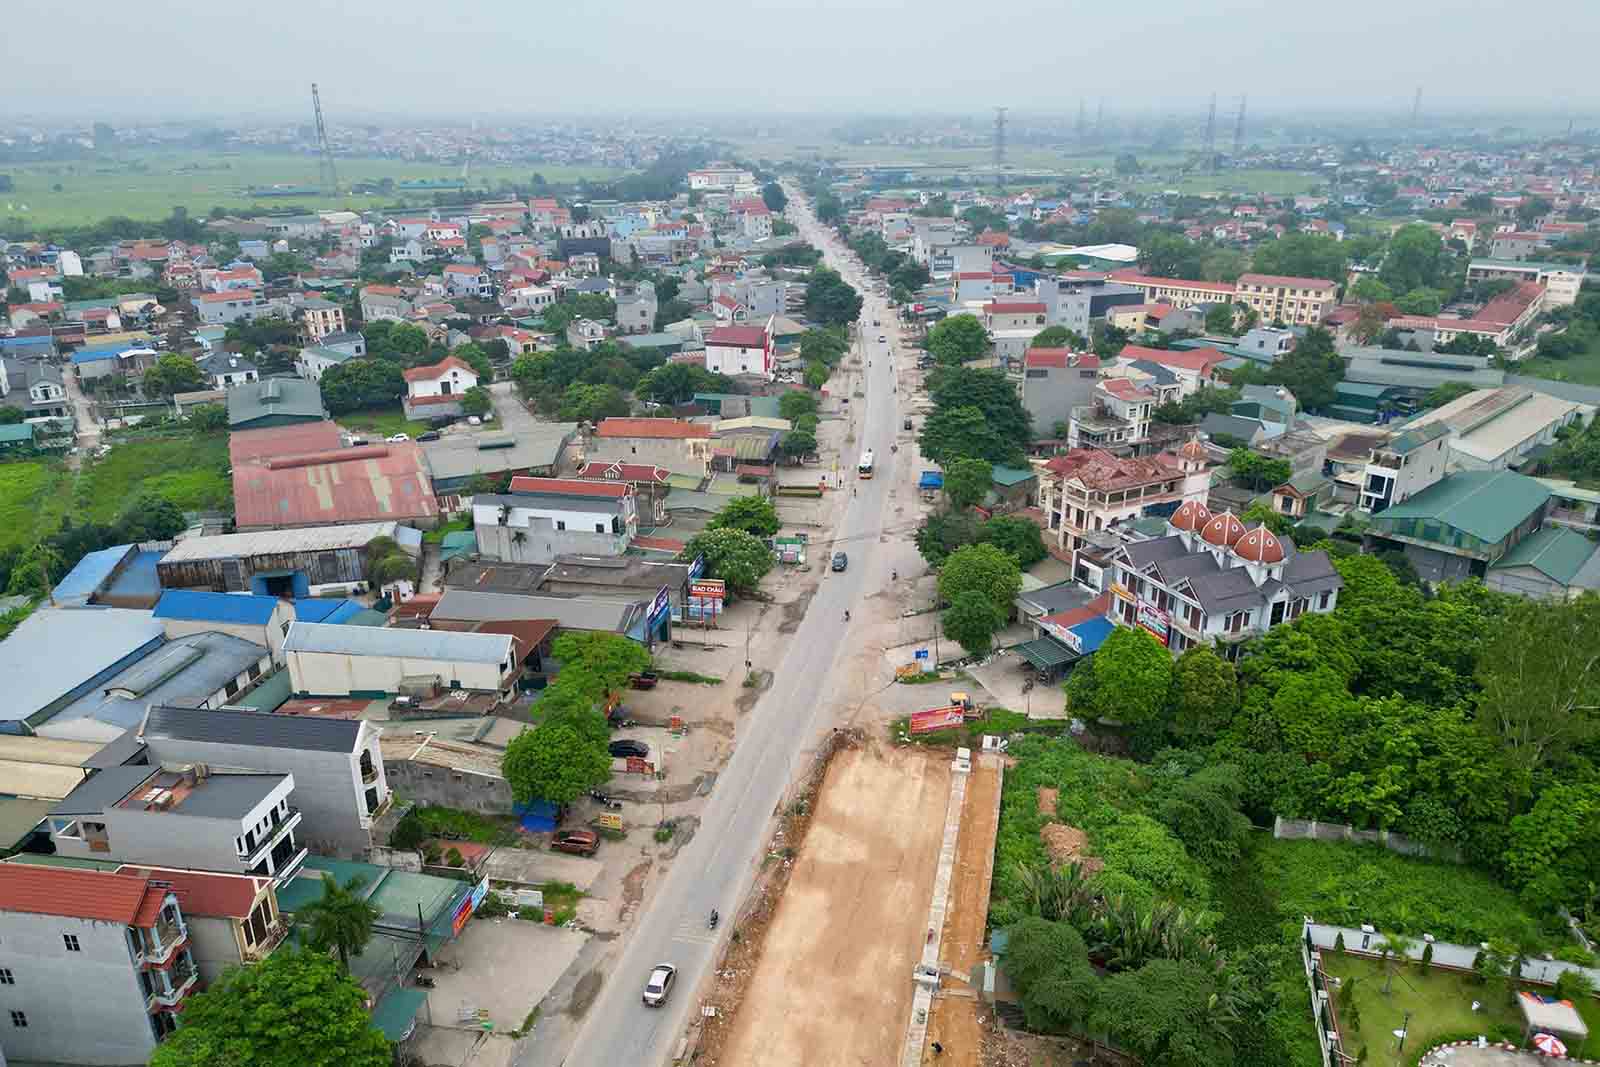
279, 563
1087, 491
232, 919
384, 302
585, 334
636, 307
1212, 580
315, 360
1078, 303
97, 964
1014, 315
320, 318
34, 386
741, 350
1116, 418
1459, 526
720, 177
223, 370
338, 661
1517, 245
684, 448
540, 519
1561, 281
466, 280
183, 815
1193, 367
274, 402
1302, 494
235, 305
1055, 381
451, 376
1286, 299
1265, 344
335, 763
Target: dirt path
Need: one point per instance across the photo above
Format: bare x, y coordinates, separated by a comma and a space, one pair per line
957, 1011
834, 984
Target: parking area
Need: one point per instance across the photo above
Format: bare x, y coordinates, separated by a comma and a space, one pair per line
502, 967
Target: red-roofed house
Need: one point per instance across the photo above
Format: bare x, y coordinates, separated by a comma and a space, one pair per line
97, 963
463, 279
1086, 490
235, 305
1194, 368
450, 377
683, 448
539, 519
740, 350
1117, 416
1014, 315
232, 918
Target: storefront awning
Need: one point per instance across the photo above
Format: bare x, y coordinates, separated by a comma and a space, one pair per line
1046, 653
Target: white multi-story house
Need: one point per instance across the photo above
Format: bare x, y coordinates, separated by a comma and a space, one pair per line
235, 305
320, 318
1405, 466
451, 376
461, 279
1118, 417
541, 519
1086, 491
740, 350
384, 302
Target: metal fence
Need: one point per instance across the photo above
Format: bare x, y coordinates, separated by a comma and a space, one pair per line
1315, 830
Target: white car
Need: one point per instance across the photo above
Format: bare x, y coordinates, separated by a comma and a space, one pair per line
659, 984
396, 438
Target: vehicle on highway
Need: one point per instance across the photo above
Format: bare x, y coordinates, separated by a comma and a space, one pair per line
627, 747
883, 337
864, 467
431, 435
840, 562
396, 438
659, 985
579, 842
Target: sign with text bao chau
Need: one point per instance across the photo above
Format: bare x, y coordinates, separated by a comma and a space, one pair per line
709, 589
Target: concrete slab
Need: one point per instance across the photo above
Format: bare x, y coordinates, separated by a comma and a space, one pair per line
506, 967
531, 866
1002, 679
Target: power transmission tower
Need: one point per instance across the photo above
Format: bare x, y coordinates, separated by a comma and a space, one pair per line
1083, 122
327, 176
1416, 107
1238, 130
999, 137
1211, 135
1100, 120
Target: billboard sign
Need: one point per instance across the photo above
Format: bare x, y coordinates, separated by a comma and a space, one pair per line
697, 568
480, 891
610, 821
660, 607
1153, 619
709, 589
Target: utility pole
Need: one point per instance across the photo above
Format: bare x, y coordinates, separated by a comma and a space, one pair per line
1238, 130
1211, 135
326, 175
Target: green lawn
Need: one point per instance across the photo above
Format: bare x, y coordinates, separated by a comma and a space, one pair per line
381, 421
1240, 182
189, 471
1583, 370
31, 492
148, 184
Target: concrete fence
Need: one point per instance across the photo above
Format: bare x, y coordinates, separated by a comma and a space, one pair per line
1297, 829
1359, 942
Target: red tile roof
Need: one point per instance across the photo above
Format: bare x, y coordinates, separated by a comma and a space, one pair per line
1094, 609
626, 472
525, 633
207, 893
78, 893
1133, 277
660, 544
231, 294
654, 428
1028, 308
1124, 389
1196, 359
1060, 358
1099, 469
1509, 306
974, 275
462, 268
438, 370
738, 337
1286, 280
569, 487
373, 483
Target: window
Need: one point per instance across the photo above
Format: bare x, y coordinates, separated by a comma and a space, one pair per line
1322, 600
561, 524
6, 977
231, 688
254, 672
19, 1020
71, 941
600, 527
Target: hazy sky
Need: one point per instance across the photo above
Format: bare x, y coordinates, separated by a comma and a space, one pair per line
536, 57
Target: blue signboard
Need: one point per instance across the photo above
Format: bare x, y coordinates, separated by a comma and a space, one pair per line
697, 568
922, 653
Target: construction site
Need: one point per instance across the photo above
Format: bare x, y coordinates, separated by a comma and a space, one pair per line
864, 939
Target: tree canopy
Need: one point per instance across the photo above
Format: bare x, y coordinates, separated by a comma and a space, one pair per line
958, 339
752, 514
739, 558
830, 299
554, 762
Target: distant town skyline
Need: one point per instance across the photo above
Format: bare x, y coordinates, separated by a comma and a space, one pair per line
406, 58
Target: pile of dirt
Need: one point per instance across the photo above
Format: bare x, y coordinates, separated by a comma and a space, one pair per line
1048, 799
1068, 844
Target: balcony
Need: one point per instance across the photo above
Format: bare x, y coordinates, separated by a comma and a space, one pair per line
168, 937
286, 872
369, 774
275, 935
180, 980
253, 854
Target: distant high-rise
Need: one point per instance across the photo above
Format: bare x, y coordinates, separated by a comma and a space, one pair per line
999, 137
1416, 107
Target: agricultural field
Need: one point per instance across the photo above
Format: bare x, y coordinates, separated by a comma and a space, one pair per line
1236, 182
188, 471
30, 494
148, 185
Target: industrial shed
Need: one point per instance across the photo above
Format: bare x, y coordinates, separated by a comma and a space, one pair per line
279, 562
330, 660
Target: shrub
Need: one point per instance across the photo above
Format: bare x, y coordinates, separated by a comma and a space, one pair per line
454, 858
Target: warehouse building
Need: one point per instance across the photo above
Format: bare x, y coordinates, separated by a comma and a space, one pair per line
342, 661
299, 563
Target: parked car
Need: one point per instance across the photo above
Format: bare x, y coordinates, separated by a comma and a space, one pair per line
627, 747
659, 984
906, 425
581, 842
396, 438
883, 337
473, 420
840, 561
432, 435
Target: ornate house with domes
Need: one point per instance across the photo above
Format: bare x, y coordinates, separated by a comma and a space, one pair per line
1212, 580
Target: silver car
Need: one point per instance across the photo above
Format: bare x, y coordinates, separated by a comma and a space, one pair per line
659, 984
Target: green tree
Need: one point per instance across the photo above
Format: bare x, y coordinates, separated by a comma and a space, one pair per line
995, 397
208, 418
752, 514
1260, 513
1058, 337
1369, 289
739, 558
942, 532
816, 374
982, 569
1202, 811
362, 383
831, 300
772, 195
1421, 301
796, 402
967, 481
1130, 677
1127, 164
606, 661
1258, 471
952, 433
12, 416
476, 401
1170, 255
797, 443
592, 403
958, 339
340, 920
173, 374
1415, 259
36, 572
553, 762
1048, 963
972, 620
1019, 538
1169, 1014
293, 1009
1205, 695
150, 518
1303, 255
476, 358
1440, 395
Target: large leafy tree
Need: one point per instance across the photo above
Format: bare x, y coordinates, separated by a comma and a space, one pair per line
361, 383
995, 396
1058, 337
830, 299
1019, 538
1169, 1014
972, 620
293, 1009
752, 514
554, 762
958, 339
942, 532
985, 570
773, 196
1303, 255
1205, 694
610, 659
173, 374
1131, 675
739, 558
951, 433
1170, 255
340, 920
1048, 962
967, 481
1416, 258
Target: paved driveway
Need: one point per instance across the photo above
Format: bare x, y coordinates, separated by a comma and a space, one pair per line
531, 866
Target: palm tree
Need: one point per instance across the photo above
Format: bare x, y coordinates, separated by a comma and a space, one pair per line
342, 919
1396, 949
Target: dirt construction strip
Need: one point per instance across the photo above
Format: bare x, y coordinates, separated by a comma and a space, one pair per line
833, 983
928, 965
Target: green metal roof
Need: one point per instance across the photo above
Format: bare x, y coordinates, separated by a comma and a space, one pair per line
397, 1011
270, 695
284, 398
1045, 653
16, 431
1487, 505
1009, 476
1372, 389
1309, 481
1413, 439
1555, 551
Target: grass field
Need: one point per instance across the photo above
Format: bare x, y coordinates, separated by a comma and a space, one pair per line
1274, 182
381, 421
186, 471
30, 499
148, 185
1583, 370
1440, 1003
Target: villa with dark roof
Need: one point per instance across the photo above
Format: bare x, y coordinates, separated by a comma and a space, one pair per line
1212, 580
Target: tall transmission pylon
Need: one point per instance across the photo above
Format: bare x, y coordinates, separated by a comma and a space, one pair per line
328, 177
1083, 121
1211, 135
1100, 120
999, 137
1238, 129
1416, 107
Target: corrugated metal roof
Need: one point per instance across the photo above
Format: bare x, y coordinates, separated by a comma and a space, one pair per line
275, 397
57, 650
412, 644
571, 613
1486, 504
198, 605
341, 486
252, 729
278, 542
1556, 552
91, 572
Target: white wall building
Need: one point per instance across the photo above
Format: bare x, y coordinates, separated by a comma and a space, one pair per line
333, 660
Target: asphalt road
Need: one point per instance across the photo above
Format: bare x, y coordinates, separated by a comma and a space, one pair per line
717, 867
